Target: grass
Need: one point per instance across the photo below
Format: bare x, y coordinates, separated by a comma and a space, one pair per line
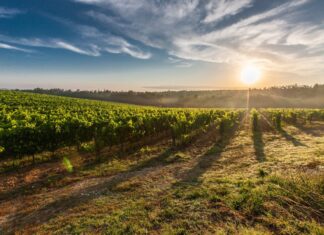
149, 192
252, 207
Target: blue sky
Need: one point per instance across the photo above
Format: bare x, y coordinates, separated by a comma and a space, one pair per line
133, 44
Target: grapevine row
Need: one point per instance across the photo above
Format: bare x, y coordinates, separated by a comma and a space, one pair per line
32, 123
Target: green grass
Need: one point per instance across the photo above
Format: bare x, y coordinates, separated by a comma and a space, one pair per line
232, 192
258, 206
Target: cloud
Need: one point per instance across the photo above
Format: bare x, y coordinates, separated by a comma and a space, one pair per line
111, 43
90, 1
275, 34
47, 43
60, 44
152, 23
134, 52
100, 41
218, 9
180, 63
274, 37
9, 12
176, 26
9, 47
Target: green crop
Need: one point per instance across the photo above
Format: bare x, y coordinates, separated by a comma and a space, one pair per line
34, 123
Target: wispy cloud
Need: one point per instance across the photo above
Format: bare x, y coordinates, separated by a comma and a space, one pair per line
274, 37
105, 41
100, 41
9, 12
218, 9
60, 44
9, 47
47, 43
275, 34
180, 63
152, 23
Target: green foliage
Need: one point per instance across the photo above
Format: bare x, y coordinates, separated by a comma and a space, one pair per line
87, 147
293, 116
2, 149
33, 123
275, 116
254, 119
67, 164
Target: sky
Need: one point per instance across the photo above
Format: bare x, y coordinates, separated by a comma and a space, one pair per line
159, 44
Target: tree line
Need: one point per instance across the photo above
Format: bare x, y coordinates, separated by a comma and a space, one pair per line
292, 96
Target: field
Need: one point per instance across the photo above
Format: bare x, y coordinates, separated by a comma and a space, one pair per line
73, 166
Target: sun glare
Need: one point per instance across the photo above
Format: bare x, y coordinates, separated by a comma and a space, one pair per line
250, 74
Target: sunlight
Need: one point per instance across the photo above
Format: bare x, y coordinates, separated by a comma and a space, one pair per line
250, 74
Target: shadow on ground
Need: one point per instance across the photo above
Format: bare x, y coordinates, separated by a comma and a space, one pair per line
291, 138
54, 180
81, 196
314, 130
64, 203
258, 144
206, 161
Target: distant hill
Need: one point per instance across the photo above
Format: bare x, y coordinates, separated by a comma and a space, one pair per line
276, 97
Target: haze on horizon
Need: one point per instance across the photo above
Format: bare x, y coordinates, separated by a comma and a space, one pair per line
146, 44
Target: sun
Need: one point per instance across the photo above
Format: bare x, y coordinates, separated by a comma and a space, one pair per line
250, 74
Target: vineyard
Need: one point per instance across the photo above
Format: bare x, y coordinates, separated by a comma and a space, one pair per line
32, 124
89, 167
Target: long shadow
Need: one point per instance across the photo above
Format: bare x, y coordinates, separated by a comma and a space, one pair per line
258, 144
82, 196
34, 187
290, 138
285, 134
51, 210
308, 130
206, 161
131, 148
